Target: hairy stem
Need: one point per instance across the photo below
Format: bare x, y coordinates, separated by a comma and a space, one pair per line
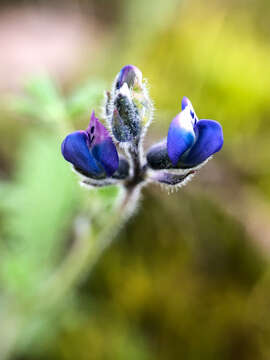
134, 152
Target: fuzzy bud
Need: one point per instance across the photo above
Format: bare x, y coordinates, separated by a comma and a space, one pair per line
125, 119
129, 75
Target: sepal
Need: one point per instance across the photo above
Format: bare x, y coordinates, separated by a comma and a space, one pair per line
172, 179
125, 117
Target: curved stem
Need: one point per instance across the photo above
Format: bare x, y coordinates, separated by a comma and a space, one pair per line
83, 256
84, 253
81, 259
134, 152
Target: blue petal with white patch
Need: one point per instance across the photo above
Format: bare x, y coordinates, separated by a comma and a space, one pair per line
191, 141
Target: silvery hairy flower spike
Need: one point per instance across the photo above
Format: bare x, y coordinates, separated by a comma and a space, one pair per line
128, 107
128, 111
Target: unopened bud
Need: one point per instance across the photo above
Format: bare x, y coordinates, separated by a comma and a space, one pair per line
125, 120
130, 75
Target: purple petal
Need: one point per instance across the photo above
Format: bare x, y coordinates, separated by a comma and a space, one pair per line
129, 74
107, 155
102, 146
97, 132
209, 141
75, 150
181, 136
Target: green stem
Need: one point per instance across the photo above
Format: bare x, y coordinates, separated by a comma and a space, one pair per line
82, 257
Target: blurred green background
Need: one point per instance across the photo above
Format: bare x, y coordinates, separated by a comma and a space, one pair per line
188, 276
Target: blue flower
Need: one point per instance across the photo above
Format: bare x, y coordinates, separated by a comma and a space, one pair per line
91, 151
189, 142
129, 110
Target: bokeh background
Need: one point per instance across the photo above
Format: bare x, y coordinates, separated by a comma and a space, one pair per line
188, 276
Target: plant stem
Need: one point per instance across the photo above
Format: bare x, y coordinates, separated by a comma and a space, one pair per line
84, 253
82, 257
138, 170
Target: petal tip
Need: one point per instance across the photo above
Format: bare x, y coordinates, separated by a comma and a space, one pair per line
184, 103
130, 75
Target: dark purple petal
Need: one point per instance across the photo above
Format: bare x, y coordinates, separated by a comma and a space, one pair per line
157, 156
129, 74
102, 146
181, 136
97, 133
123, 169
209, 141
75, 150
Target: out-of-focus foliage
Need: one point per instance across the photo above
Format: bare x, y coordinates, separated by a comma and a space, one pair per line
39, 206
188, 277
43, 101
37, 213
184, 287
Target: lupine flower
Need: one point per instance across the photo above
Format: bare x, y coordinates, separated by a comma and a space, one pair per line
189, 142
91, 151
128, 110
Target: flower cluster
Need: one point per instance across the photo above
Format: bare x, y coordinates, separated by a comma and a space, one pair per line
128, 112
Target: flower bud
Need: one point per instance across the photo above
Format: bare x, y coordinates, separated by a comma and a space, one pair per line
125, 119
189, 144
120, 131
130, 75
128, 107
